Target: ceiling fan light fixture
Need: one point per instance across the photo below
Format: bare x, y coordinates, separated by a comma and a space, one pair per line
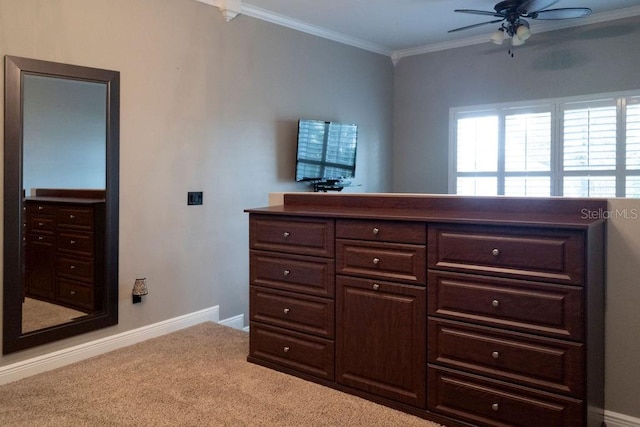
523, 32
498, 36
516, 41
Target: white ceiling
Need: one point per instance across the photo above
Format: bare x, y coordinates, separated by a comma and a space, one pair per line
406, 27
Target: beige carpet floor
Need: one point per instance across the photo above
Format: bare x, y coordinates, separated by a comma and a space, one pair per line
194, 377
38, 314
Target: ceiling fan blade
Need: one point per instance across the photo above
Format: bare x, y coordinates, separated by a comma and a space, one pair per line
480, 12
475, 25
565, 13
531, 6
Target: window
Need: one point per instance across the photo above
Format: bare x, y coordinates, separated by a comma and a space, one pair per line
564, 147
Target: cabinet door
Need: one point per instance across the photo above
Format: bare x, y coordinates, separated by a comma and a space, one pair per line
40, 266
381, 338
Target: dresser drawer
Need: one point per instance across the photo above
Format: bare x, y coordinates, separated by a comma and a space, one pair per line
549, 364
301, 235
304, 353
76, 294
383, 231
309, 275
541, 254
306, 314
39, 239
34, 208
389, 261
540, 308
495, 403
79, 218
41, 224
75, 268
78, 243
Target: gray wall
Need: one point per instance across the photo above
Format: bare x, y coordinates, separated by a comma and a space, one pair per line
64, 139
583, 60
208, 106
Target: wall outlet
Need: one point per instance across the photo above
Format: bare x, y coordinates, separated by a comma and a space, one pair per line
194, 198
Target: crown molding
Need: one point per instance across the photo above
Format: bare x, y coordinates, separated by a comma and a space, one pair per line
285, 21
396, 55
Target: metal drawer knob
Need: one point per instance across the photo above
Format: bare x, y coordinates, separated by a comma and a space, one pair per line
376, 230
72, 216
286, 272
40, 238
376, 286
495, 407
286, 311
286, 234
495, 252
286, 349
40, 208
495, 355
72, 242
40, 224
72, 292
495, 303
376, 261
72, 267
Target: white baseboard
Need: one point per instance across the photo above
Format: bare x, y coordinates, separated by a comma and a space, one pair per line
614, 419
80, 352
236, 322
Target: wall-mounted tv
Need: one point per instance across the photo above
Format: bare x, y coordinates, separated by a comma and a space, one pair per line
326, 151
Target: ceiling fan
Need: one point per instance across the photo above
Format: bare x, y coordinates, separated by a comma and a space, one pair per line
512, 13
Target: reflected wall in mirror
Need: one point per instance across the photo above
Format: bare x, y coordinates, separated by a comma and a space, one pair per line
60, 201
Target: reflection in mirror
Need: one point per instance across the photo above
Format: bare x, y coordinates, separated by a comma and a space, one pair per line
61, 201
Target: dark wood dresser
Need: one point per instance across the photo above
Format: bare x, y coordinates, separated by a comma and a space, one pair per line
466, 311
64, 237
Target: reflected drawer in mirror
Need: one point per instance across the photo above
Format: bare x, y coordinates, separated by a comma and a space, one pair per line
79, 243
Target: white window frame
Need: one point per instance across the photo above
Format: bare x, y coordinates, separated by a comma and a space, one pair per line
556, 106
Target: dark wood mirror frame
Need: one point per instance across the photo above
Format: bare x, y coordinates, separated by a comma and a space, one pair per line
15, 69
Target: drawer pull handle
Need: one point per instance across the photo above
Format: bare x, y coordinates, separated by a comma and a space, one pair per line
40, 224
286, 311
495, 252
286, 349
495, 407
376, 286
72, 267
72, 242
286, 272
286, 234
495, 355
40, 237
72, 292
40, 208
376, 230
71, 216
376, 261
495, 303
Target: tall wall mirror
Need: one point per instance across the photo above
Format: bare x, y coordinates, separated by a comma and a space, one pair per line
61, 155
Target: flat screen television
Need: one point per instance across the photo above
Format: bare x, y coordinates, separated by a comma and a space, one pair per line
326, 152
